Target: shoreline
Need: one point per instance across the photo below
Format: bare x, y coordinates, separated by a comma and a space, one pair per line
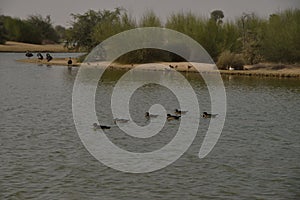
20, 47
266, 70
262, 69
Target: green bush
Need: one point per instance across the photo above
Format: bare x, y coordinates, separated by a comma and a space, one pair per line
228, 59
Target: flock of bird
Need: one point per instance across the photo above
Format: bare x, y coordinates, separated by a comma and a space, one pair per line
148, 116
39, 55
48, 58
176, 66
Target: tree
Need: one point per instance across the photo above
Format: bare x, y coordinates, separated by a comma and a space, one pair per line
44, 27
92, 27
20, 30
251, 28
281, 37
60, 31
3, 32
150, 20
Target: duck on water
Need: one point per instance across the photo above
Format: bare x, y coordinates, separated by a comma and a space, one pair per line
207, 115
98, 126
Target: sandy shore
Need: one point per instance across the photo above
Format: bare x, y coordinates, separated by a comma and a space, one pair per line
10, 46
266, 70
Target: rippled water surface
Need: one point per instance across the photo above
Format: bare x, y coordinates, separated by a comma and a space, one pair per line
42, 157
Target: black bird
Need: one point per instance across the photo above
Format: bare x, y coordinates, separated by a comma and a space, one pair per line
171, 66
171, 117
48, 57
96, 126
148, 115
70, 63
207, 115
120, 120
28, 54
189, 66
40, 56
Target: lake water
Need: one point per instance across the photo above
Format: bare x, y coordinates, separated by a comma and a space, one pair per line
42, 156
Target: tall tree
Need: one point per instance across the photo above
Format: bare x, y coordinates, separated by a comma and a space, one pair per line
2, 31
44, 27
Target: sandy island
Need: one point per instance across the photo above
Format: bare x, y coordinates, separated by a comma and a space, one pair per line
264, 69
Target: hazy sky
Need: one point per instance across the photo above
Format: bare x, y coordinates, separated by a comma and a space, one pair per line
60, 10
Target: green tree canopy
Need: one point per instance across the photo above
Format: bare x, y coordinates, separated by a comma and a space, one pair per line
44, 27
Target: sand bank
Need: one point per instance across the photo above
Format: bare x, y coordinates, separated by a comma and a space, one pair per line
267, 70
10, 46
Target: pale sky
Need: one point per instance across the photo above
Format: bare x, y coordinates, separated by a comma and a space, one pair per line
60, 10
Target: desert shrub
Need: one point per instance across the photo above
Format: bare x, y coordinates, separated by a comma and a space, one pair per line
228, 59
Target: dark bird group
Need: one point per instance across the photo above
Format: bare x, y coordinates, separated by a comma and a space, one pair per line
177, 116
176, 66
39, 56
48, 58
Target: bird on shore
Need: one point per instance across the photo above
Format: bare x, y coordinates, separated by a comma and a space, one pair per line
148, 115
40, 56
189, 67
28, 54
173, 67
207, 115
180, 112
98, 126
48, 57
70, 63
172, 117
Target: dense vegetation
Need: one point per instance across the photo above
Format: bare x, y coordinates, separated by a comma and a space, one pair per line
35, 29
247, 40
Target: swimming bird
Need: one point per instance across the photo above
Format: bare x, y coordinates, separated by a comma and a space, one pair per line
148, 115
40, 56
28, 54
96, 126
207, 115
70, 63
171, 117
121, 120
180, 112
48, 57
